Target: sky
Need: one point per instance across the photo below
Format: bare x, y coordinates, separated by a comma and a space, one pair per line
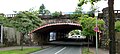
8, 6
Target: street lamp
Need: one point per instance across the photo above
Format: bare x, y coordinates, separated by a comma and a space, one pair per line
1, 32
96, 16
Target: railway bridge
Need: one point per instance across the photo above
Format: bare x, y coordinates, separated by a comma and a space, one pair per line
58, 27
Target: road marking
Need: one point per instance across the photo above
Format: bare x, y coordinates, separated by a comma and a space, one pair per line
80, 51
60, 50
41, 50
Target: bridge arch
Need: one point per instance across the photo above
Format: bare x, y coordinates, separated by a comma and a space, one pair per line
57, 27
41, 35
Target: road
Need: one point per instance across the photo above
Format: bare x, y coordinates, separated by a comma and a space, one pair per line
60, 50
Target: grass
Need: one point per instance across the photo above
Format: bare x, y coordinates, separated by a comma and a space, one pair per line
18, 51
86, 51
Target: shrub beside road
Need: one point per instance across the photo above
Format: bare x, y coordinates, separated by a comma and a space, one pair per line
86, 51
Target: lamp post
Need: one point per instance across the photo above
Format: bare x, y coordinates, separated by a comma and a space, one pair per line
1, 34
96, 16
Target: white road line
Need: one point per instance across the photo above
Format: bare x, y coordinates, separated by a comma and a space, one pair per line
41, 50
60, 50
80, 50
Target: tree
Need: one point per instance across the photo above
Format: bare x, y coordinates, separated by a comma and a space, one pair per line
112, 49
75, 32
77, 13
5, 21
2, 19
43, 11
47, 12
24, 22
56, 14
78, 10
88, 25
81, 2
117, 26
112, 44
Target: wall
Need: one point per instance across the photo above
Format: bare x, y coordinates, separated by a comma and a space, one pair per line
39, 38
11, 36
118, 42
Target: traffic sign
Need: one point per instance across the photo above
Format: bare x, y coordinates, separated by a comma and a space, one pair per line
96, 29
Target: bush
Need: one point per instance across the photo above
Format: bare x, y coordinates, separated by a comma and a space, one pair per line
56, 14
117, 26
75, 16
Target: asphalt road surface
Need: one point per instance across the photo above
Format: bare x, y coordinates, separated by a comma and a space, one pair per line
60, 50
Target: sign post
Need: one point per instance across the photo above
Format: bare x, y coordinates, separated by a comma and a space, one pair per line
1, 33
96, 30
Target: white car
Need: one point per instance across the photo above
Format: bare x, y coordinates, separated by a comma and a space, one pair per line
78, 36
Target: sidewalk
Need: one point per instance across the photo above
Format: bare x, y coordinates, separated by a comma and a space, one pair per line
100, 51
19, 47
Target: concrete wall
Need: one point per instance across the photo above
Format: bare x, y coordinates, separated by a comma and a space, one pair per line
11, 36
118, 42
39, 38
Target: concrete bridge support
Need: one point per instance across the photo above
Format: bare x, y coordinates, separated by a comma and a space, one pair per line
40, 38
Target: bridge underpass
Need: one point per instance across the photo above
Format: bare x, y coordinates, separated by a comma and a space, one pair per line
41, 35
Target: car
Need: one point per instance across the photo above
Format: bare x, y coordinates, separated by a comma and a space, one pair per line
78, 36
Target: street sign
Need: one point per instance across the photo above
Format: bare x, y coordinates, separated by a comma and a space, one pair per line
96, 29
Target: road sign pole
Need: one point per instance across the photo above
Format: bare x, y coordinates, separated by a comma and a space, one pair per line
1, 34
96, 39
96, 15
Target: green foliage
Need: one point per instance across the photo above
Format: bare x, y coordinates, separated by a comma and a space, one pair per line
88, 24
2, 19
18, 51
117, 26
5, 21
75, 16
75, 32
78, 10
47, 12
81, 2
86, 51
56, 14
43, 11
26, 21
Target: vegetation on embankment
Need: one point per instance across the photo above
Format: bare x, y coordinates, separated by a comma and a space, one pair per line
86, 51
19, 51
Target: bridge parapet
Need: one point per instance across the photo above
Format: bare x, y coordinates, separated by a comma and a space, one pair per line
52, 21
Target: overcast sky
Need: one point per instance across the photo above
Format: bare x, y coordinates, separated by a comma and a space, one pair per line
8, 6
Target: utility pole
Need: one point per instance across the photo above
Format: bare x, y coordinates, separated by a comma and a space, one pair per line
112, 44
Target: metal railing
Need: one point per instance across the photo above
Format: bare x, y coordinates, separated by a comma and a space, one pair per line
9, 15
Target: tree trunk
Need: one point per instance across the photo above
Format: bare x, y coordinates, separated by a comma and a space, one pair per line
112, 45
22, 41
88, 43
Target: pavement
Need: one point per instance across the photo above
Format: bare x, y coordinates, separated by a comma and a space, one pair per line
100, 51
68, 43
